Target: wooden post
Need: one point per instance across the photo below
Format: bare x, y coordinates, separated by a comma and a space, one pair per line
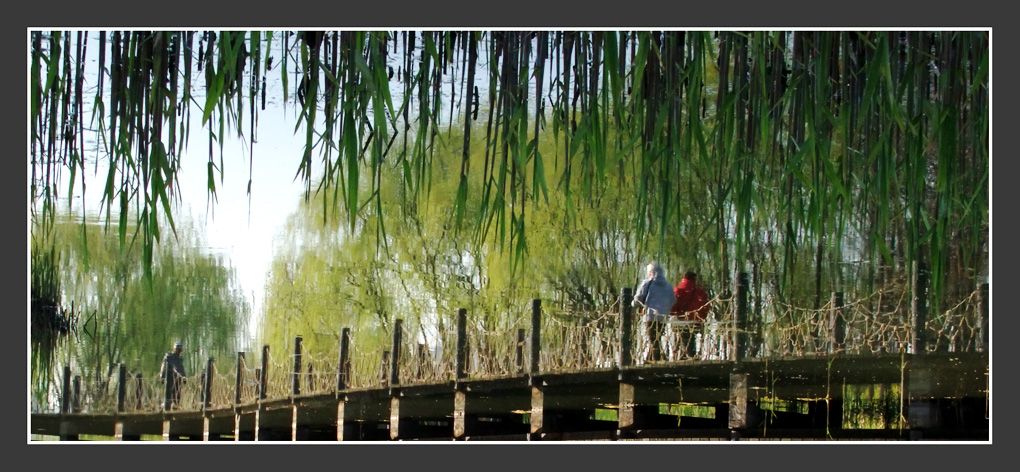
385, 368
919, 309
207, 388
983, 322
263, 377
519, 351
537, 390
743, 346
536, 335
461, 360
121, 387
419, 372
626, 329
168, 385
65, 395
239, 378
837, 322
460, 373
344, 366
296, 388
138, 391
395, 357
76, 402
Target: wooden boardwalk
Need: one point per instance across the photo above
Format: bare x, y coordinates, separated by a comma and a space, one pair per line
945, 398
932, 387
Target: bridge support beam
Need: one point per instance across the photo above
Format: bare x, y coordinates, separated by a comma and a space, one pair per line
625, 415
537, 413
743, 414
344, 430
244, 426
68, 432
395, 422
462, 425
922, 408
122, 431
259, 413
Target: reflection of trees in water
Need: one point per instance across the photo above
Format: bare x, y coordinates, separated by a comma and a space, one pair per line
128, 319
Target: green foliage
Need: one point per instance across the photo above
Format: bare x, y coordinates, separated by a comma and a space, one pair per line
816, 160
125, 318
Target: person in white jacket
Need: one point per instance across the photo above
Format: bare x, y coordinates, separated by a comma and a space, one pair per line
655, 298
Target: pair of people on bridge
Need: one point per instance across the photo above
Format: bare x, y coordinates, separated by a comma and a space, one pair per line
659, 301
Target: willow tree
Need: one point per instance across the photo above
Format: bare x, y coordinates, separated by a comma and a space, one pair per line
818, 159
121, 318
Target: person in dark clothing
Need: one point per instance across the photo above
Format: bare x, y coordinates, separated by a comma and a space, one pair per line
691, 305
172, 371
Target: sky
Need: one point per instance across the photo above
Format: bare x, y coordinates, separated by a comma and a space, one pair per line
245, 232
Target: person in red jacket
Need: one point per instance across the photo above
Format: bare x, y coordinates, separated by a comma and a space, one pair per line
691, 305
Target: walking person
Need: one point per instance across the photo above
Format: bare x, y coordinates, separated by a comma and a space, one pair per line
655, 298
691, 307
172, 371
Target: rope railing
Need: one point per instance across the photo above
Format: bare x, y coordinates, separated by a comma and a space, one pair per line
491, 353
569, 341
578, 341
319, 373
430, 361
249, 385
366, 369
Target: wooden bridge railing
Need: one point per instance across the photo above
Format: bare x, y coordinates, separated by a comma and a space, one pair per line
885, 322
